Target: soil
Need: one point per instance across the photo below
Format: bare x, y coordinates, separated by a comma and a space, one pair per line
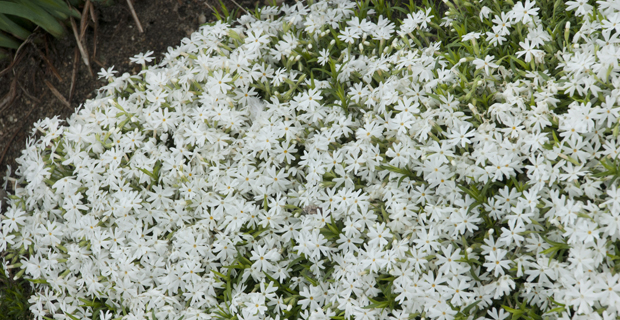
46, 64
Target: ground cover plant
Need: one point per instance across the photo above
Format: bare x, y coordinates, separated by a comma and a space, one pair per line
338, 160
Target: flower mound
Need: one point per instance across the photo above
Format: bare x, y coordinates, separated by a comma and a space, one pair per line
337, 160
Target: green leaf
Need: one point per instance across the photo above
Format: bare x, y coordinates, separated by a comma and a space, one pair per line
89, 303
474, 193
515, 313
224, 9
469, 307
33, 13
70, 316
8, 42
148, 173
221, 275
377, 304
13, 28
244, 261
57, 8
520, 62
41, 281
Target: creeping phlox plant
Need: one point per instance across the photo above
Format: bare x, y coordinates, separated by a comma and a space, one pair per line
338, 160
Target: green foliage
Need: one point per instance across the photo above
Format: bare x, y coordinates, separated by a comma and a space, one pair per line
18, 18
14, 298
224, 15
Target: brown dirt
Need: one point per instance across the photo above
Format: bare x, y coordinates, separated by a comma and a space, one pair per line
45, 59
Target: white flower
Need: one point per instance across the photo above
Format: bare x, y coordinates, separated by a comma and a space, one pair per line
324, 57
379, 236
245, 169
142, 58
486, 64
471, 36
495, 264
582, 6
262, 258
524, 13
530, 52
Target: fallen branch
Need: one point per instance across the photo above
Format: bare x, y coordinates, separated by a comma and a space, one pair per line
83, 51
13, 63
79, 43
95, 27
210, 7
8, 99
48, 62
135, 16
84, 19
76, 57
58, 94
240, 7
28, 95
19, 54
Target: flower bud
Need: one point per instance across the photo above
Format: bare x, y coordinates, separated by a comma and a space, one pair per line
333, 42
310, 46
469, 250
491, 231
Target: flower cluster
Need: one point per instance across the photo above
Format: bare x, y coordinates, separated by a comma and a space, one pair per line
338, 160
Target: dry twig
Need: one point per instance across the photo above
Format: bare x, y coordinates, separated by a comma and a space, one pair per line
135, 16
240, 7
79, 43
76, 66
81, 47
28, 95
48, 62
84, 19
8, 99
19, 54
13, 63
58, 94
95, 27
210, 7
